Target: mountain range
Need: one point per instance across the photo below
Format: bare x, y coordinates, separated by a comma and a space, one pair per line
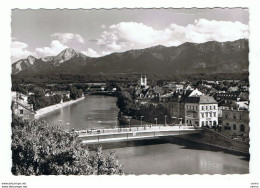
208, 57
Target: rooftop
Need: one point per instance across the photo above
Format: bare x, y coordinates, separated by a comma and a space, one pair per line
203, 99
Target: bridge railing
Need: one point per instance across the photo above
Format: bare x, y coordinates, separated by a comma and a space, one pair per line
134, 130
132, 135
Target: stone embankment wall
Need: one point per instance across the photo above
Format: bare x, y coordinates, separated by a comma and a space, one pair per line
213, 138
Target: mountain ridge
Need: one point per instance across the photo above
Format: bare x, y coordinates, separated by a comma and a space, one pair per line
187, 57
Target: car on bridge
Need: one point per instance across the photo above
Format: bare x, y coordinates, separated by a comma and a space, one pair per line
93, 131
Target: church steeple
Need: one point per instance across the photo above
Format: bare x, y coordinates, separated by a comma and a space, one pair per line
143, 80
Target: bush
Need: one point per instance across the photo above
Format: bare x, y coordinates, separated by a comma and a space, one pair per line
40, 149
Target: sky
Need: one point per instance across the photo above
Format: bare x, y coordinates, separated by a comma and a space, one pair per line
96, 33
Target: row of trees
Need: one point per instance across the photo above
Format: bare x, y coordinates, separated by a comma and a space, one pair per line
41, 149
127, 106
39, 100
119, 78
125, 102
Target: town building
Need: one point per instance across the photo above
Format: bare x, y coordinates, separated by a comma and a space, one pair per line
232, 96
230, 99
174, 86
236, 121
20, 106
201, 111
175, 103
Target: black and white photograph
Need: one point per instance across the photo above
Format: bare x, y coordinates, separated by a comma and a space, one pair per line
130, 91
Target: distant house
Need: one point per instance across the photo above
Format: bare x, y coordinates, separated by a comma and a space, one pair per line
212, 82
207, 86
19, 96
189, 87
63, 94
174, 87
201, 111
232, 96
244, 88
212, 91
233, 89
20, 106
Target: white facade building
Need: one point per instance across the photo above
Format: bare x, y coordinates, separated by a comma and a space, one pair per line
201, 111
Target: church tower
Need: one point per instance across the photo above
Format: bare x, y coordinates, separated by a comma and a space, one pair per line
143, 81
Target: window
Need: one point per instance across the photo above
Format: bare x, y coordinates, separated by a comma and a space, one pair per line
202, 107
242, 128
210, 107
214, 114
235, 117
206, 114
202, 123
196, 107
21, 111
235, 127
206, 107
227, 127
214, 107
226, 116
202, 115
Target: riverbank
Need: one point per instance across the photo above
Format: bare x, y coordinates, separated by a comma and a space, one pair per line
48, 109
215, 139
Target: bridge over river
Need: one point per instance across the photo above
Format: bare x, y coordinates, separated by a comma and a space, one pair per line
134, 133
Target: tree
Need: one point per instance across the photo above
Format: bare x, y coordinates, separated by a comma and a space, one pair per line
40, 149
74, 92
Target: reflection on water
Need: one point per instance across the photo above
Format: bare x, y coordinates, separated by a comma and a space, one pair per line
170, 158
93, 112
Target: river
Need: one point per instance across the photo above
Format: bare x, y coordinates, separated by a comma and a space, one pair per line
150, 156
95, 111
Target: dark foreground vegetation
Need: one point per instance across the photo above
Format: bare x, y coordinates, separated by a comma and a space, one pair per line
41, 149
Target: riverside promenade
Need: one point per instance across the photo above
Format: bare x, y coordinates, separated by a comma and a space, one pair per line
133, 133
51, 108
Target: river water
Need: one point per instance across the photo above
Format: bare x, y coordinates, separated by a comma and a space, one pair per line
151, 156
95, 111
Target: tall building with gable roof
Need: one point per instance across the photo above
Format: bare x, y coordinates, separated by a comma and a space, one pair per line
201, 111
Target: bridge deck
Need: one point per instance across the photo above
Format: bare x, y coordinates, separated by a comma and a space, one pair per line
135, 133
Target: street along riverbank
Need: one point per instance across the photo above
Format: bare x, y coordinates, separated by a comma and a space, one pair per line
48, 109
